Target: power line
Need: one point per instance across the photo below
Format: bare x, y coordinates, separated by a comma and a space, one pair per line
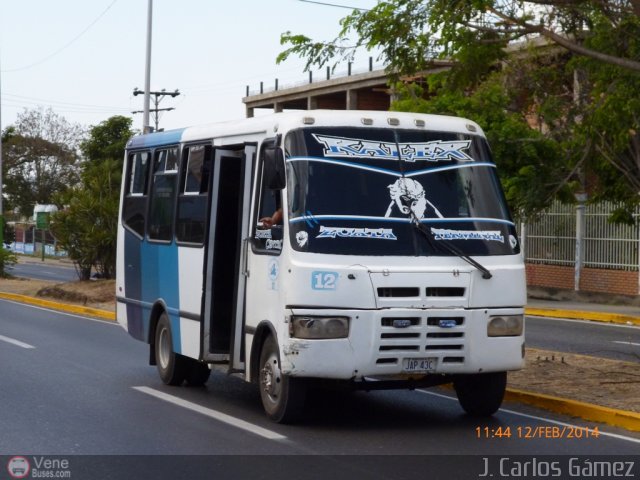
66, 45
324, 4
26, 100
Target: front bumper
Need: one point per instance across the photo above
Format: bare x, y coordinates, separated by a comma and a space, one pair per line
380, 342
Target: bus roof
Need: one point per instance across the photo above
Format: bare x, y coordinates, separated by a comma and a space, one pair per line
268, 125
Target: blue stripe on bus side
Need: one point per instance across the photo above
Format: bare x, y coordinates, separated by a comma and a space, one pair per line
160, 281
132, 282
155, 278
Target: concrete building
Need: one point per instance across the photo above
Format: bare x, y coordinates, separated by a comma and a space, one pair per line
362, 91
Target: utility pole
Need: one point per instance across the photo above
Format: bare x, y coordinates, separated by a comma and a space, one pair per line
1, 178
146, 128
158, 96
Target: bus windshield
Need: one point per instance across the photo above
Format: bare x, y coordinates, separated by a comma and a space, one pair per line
362, 191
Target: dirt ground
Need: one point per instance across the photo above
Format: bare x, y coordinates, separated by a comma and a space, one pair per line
594, 380
94, 293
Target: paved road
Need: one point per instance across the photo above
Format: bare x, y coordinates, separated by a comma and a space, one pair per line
75, 386
619, 342
44, 271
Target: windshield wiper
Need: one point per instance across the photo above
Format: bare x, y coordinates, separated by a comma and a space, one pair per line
486, 274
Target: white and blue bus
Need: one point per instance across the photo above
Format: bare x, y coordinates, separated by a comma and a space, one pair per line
368, 250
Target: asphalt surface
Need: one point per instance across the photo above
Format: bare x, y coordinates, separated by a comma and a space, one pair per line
618, 342
76, 386
44, 271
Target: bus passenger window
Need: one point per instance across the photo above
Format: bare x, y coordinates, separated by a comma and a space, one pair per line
163, 189
135, 199
193, 194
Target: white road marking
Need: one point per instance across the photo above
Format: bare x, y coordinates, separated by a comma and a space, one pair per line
222, 417
13, 341
543, 419
626, 343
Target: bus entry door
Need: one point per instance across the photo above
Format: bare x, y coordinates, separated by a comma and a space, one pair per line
224, 285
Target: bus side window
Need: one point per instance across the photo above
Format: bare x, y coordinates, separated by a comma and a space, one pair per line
135, 199
193, 194
163, 189
269, 222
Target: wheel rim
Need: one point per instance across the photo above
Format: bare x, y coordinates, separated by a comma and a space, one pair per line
271, 380
164, 348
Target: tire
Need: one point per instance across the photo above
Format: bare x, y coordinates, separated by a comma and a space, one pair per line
282, 396
172, 367
197, 373
481, 394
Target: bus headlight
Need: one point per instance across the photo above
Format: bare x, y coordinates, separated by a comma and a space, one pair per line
505, 326
318, 327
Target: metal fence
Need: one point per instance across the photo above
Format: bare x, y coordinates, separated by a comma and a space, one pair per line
551, 238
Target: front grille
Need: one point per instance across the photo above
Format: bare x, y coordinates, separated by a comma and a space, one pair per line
445, 292
435, 321
444, 347
400, 335
394, 321
429, 335
445, 335
453, 360
388, 292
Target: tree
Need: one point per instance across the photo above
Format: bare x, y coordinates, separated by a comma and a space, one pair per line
108, 140
41, 158
87, 226
411, 33
561, 106
7, 259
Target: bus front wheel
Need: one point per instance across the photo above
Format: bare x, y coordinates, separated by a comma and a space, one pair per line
481, 394
282, 396
172, 367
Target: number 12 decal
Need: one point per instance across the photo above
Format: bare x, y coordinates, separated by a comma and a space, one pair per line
324, 280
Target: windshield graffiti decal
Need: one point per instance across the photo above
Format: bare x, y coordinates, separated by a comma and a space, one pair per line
487, 235
434, 151
409, 196
349, 232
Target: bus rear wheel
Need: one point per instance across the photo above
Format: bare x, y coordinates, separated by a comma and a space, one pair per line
282, 396
172, 367
481, 394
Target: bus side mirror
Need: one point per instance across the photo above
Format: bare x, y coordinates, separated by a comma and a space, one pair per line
273, 161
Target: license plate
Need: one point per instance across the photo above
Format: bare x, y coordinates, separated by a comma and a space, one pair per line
419, 365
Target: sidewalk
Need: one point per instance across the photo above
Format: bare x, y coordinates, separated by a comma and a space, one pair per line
584, 310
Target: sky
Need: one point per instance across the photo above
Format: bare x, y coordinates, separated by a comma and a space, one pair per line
84, 58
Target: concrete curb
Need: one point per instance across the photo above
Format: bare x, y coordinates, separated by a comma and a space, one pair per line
620, 418
64, 307
617, 318
610, 416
